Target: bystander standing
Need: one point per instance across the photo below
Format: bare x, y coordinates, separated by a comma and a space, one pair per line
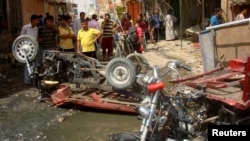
66, 35
30, 29
77, 23
47, 36
242, 14
94, 24
139, 32
100, 20
151, 24
108, 27
156, 26
86, 39
216, 19
170, 19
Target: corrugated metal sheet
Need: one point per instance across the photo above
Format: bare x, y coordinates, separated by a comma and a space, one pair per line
208, 50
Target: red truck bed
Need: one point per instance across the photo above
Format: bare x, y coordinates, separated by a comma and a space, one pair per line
230, 85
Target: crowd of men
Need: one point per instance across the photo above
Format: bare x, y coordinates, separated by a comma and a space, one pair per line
84, 35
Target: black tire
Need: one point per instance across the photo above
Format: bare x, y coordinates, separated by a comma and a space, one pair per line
140, 62
25, 42
120, 73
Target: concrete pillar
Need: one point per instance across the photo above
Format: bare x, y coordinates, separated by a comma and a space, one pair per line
228, 13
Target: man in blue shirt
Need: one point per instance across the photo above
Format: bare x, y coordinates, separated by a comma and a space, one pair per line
156, 26
216, 19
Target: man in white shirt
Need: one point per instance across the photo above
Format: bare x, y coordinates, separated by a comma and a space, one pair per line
242, 14
100, 20
30, 29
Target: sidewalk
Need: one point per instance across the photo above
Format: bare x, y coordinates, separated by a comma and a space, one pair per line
184, 50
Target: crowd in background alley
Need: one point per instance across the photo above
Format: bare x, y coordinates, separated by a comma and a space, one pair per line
85, 35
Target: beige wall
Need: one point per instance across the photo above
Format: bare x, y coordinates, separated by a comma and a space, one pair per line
236, 44
38, 7
226, 5
30, 7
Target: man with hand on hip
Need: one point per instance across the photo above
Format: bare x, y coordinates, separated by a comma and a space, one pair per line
86, 39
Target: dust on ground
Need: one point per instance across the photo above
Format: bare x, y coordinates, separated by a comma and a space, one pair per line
186, 50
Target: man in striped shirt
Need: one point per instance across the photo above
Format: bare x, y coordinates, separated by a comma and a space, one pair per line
47, 36
108, 27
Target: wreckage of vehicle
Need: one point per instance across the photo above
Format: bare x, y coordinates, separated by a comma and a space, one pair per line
105, 85
219, 96
184, 111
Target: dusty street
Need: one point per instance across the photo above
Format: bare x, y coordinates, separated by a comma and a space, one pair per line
22, 118
186, 50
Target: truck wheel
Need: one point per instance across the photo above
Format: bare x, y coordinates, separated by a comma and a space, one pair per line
25, 45
120, 73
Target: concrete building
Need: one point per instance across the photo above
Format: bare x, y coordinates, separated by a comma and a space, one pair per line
15, 13
136, 7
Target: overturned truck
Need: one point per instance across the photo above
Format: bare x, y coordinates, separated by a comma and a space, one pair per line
66, 77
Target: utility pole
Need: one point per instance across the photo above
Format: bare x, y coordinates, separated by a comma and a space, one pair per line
203, 16
8, 19
180, 2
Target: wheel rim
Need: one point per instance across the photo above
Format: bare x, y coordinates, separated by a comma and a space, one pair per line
120, 75
25, 46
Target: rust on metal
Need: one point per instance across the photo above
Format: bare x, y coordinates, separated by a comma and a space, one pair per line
95, 98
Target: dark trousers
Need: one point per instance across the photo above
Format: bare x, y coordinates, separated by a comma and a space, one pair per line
107, 44
90, 54
68, 50
156, 34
